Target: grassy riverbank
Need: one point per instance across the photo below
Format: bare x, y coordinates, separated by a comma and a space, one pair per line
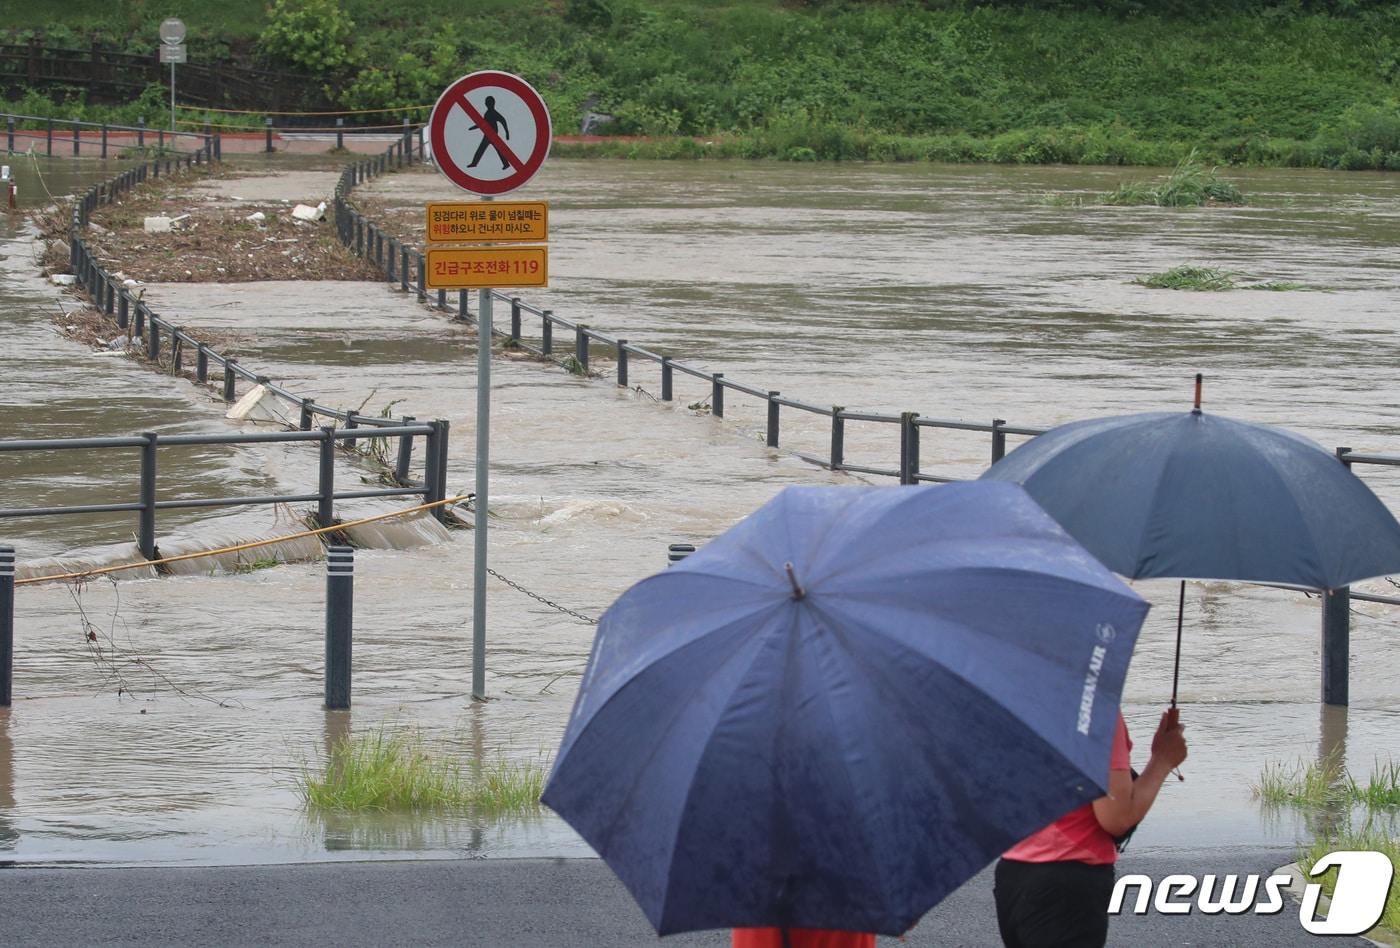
896, 80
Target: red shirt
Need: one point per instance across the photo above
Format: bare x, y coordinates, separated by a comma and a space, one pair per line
800, 938
1077, 835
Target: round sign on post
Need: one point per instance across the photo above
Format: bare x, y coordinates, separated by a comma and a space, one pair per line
490, 132
172, 31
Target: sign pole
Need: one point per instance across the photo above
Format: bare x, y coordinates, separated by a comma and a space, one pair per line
483, 471
172, 101
512, 126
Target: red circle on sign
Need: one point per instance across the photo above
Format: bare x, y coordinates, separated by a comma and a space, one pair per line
524, 166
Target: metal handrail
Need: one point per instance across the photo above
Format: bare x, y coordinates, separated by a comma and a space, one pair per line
367, 239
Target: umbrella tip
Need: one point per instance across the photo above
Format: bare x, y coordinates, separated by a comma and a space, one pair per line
1197, 406
797, 591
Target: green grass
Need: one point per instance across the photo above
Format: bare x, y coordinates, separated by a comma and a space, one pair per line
1366, 838
1189, 278
1381, 790
394, 771
1304, 784
1281, 83
1191, 184
1315, 784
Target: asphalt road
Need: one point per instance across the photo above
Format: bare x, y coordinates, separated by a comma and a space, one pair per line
553, 903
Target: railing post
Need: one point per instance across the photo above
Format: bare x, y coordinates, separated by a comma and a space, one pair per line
581, 347
462, 304
10, 134
340, 611
547, 332
153, 341
140, 330
908, 448
141, 132
431, 444
48, 126
838, 437
146, 529
104, 139
268, 132
218, 146
403, 268
422, 278
407, 143
110, 301
773, 406
1336, 644
7, 624
305, 423
717, 395
340, 134
123, 302
228, 380
998, 440
622, 362
443, 428
76, 138
393, 263
1336, 634
405, 453
666, 378
325, 481
201, 363
514, 319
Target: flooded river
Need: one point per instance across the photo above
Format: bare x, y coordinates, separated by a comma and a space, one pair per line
955, 292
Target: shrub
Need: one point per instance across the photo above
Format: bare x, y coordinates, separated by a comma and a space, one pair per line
311, 35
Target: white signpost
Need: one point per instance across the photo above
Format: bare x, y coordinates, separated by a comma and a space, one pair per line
172, 51
490, 133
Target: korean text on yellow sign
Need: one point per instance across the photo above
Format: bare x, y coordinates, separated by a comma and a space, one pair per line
488, 222
467, 268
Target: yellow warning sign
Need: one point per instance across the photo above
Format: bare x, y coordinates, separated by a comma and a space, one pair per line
488, 221
468, 268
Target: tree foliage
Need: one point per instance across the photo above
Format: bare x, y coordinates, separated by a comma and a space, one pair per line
310, 35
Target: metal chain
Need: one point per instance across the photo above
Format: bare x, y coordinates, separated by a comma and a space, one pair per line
538, 598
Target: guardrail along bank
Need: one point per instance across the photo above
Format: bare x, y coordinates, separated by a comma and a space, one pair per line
405, 265
170, 347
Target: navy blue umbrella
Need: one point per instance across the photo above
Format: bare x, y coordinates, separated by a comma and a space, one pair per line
845, 706
1198, 496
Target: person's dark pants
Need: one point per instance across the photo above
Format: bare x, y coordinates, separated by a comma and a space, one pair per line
1053, 904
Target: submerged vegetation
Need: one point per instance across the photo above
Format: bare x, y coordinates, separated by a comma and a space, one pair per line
1191, 184
1189, 278
1326, 783
1298, 83
1208, 278
389, 770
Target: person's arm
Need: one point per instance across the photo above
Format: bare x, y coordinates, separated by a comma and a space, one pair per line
1129, 800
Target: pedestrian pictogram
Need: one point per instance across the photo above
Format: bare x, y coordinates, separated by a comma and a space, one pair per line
490, 132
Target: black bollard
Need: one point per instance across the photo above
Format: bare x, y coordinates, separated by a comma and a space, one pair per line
7, 623
340, 611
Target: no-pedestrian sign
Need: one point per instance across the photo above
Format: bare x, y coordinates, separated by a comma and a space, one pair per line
490, 132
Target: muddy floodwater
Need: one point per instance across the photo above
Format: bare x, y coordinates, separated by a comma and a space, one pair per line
957, 292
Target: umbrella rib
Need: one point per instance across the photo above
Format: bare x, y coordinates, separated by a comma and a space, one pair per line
901, 646
680, 708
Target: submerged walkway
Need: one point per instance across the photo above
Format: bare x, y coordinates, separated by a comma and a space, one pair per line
527, 903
